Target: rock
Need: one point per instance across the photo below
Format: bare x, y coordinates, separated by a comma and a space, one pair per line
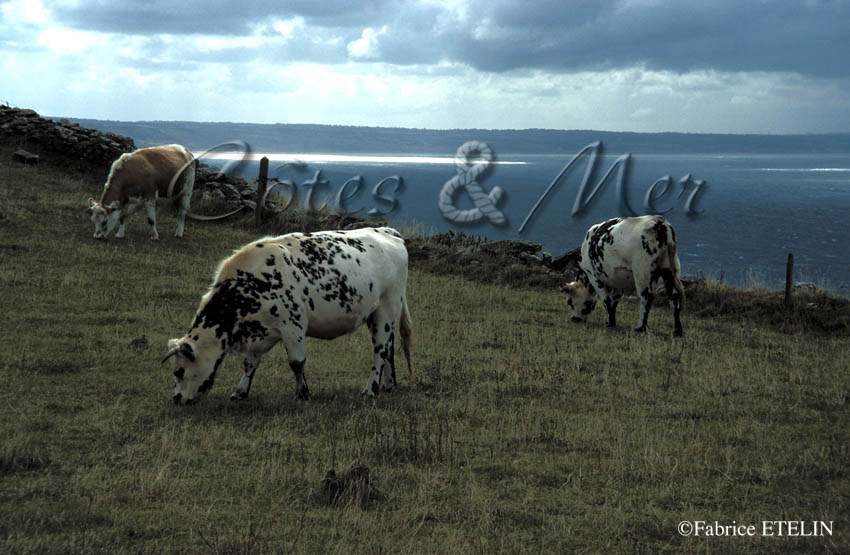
511, 247
25, 157
139, 343
566, 262
529, 259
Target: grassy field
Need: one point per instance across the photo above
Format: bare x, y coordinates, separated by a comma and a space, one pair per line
518, 431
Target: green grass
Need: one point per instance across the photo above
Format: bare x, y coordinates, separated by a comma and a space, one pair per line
518, 431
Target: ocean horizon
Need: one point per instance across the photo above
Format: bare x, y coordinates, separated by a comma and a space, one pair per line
750, 212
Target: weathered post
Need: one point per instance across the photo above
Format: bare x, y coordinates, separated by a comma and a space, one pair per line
789, 277
262, 180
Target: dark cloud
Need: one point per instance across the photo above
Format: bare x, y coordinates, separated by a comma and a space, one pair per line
810, 38
216, 17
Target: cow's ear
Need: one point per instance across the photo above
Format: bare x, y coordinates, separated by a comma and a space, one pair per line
568, 288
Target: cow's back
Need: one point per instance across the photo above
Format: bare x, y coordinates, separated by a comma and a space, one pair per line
335, 279
615, 249
135, 173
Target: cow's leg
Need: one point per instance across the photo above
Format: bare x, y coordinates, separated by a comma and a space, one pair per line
251, 363
675, 296
128, 210
182, 208
382, 377
645, 284
150, 208
296, 350
646, 297
122, 219
298, 368
611, 299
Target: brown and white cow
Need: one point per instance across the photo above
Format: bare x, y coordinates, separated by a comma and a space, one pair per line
284, 289
138, 179
622, 255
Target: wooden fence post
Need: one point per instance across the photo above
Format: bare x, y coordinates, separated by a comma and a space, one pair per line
262, 180
789, 279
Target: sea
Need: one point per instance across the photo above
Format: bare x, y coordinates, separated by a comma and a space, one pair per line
737, 216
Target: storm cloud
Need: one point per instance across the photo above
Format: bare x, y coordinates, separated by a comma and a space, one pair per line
810, 38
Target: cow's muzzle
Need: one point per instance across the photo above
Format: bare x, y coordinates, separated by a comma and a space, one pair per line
577, 320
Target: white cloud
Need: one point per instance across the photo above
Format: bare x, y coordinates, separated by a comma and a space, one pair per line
68, 41
24, 11
368, 45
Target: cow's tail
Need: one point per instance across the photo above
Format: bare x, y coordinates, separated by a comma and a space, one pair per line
406, 329
673, 260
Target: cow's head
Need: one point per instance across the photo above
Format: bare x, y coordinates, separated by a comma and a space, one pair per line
194, 369
104, 217
581, 298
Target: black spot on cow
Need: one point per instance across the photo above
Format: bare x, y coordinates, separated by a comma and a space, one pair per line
659, 228
270, 260
259, 245
370, 286
310, 302
646, 246
600, 237
208, 383
231, 302
386, 328
273, 311
356, 243
179, 373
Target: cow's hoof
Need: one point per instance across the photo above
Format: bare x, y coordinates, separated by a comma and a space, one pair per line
303, 394
610, 325
238, 396
641, 329
154, 238
678, 332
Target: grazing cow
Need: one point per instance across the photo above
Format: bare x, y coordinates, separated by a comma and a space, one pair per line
626, 254
283, 289
140, 178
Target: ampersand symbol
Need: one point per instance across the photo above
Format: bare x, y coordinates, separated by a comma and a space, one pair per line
467, 171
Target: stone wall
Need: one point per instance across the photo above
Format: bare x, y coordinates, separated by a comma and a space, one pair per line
68, 143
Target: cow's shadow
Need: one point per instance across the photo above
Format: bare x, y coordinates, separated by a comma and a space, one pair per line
331, 401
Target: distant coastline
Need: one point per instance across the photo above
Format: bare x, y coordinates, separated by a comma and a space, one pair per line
321, 139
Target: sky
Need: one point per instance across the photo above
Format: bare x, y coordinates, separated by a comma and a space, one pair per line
705, 66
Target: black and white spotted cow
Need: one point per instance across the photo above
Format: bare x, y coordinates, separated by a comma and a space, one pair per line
626, 254
283, 289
